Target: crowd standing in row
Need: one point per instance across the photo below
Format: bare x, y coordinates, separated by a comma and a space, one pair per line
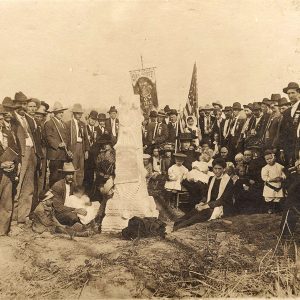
231, 159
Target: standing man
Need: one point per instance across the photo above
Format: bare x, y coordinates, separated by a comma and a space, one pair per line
206, 122
249, 119
57, 138
79, 142
112, 124
25, 130
289, 126
90, 163
173, 127
227, 125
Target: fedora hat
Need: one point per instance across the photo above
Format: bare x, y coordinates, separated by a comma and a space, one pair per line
227, 108
208, 107
266, 101
57, 107
112, 109
179, 155
217, 103
161, 113
256, 106
250, 106
41, 111
43, 103
7, 102
20, 97
68, 168
291, 86
77, 108
167, 109
283, 102
236, 106
275, 97
185, 136
93, 115
153, 114
102, 117
173, 112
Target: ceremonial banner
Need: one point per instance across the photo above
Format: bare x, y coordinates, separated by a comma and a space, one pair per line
144, 84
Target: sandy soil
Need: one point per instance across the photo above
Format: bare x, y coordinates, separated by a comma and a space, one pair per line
231, 258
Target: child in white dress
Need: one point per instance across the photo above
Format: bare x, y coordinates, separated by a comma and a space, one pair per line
272, 174
80, 200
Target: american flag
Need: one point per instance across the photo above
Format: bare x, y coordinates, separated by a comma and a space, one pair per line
191, 106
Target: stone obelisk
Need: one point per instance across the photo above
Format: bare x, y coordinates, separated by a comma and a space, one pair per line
131, 196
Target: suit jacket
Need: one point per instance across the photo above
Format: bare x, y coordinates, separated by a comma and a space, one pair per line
161, 135
236, 138
172, 132
20, 134
218, 128
59, 196
53, 139
109, 128
202, 123
71, 127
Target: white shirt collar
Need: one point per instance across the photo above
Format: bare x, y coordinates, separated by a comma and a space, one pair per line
294, 108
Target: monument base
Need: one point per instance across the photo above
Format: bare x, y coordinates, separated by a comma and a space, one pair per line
123, 206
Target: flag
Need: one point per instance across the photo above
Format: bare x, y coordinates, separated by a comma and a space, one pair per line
191, 106
144, 84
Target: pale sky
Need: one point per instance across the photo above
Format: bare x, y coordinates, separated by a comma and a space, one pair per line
83, 51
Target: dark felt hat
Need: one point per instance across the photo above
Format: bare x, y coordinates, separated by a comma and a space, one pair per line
236, 106
256, 106
227, 108
167, 108
45, 104
275, 97
153, 114
250, 106
173, 112
291, 86
93, 115
102, 117
283, 102
20, 97
112, 109
8, 103
161, 113
266, 101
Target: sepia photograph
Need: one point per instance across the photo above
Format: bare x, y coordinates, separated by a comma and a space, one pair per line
149, 149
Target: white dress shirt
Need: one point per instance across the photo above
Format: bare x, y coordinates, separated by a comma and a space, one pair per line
79, 139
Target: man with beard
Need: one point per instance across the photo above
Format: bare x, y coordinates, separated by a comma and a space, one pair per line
8, 169
62, 189
25, 130
289, 125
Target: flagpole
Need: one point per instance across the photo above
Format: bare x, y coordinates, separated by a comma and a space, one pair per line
197, 104
142, 62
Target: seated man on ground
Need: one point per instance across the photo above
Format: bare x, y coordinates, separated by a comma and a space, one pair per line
219, 200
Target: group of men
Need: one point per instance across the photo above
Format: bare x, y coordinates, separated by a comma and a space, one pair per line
35, 142
270, 124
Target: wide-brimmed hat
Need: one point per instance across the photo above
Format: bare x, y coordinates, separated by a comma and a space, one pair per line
256, 106
102, 117
36, 101
93, 115
161, 113
112, 109
41, 111
275, 97
179, 155
167, 109
208, 107
57, 107
77, 108
291, 86
68, 168
218, 103
283, 102
227, 108
20, 97
236, 106
153, 114
8, 103
185, 136
266, 101
45, 104
249, 105
173, 112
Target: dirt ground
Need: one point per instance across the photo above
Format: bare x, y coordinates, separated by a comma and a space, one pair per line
233, 258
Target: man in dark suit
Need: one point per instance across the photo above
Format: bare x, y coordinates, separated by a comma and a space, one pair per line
206, 122
157, 133
289, 126
62, 189
24, 128
79, 142
57, 138
173, 127
90, 163
112, 124
218, 125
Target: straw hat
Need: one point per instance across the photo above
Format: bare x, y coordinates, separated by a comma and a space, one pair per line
77, 108
68, 168
57, 107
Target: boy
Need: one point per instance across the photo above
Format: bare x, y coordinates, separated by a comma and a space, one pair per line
272, 175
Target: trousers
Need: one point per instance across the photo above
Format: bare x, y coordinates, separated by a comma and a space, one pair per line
6, 204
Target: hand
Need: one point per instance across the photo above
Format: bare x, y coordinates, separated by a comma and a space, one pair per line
202, 206
81, 211
6, 164
251, 181
246, 187
86, 155
62, 145
235, 178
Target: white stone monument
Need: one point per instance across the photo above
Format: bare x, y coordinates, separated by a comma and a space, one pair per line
131, 196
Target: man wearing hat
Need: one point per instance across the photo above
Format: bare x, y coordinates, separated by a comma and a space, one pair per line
93, 133
206, 122
62, 189
79, 142
187, 150
283, 104
249, 119
167, 111
112, 124
173, 126
153, 116
32, 106
157, 132
235, 133
289, 125
58, 142
8, 170
25, 130
227, 125
217, 105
